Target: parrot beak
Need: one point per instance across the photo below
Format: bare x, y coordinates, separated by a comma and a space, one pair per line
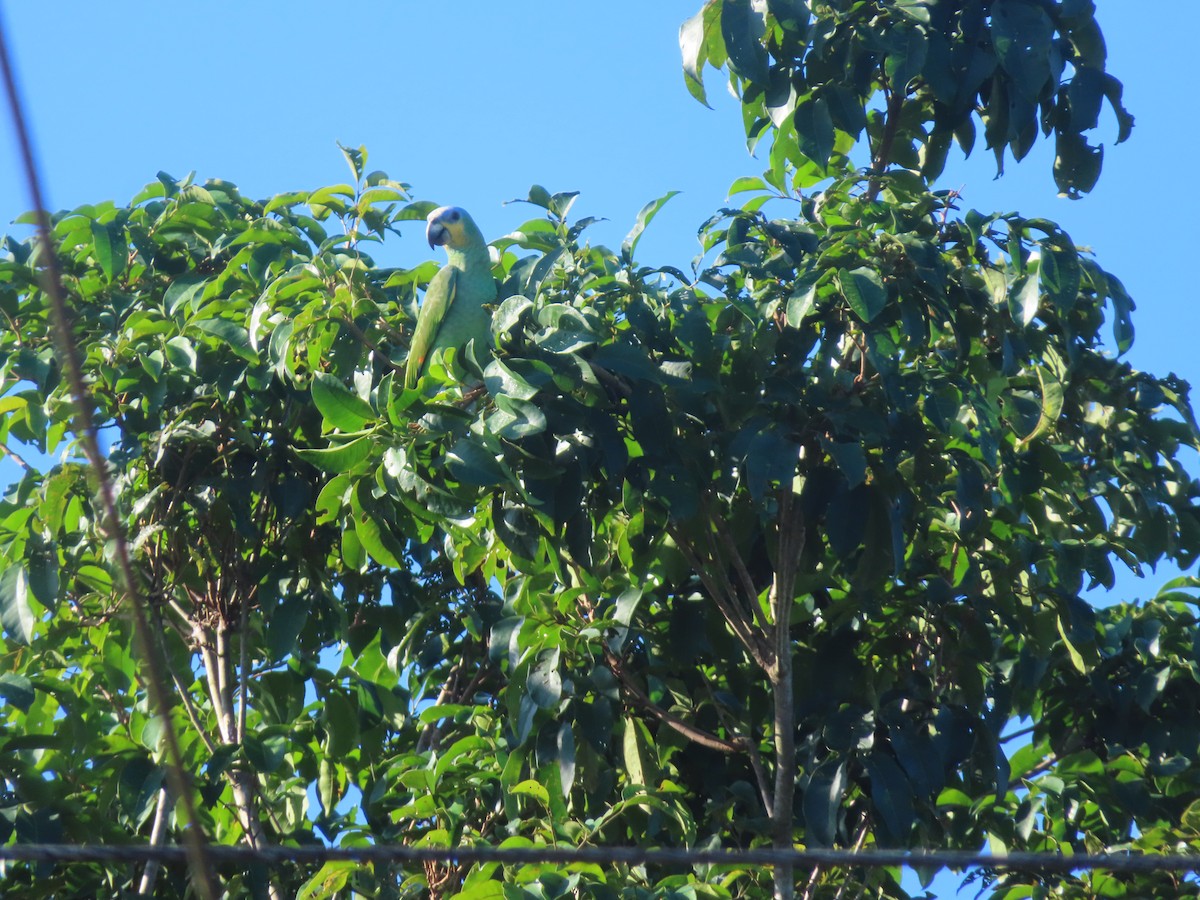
436, 234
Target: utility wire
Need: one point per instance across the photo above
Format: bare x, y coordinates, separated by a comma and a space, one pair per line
52, 284
1047, 863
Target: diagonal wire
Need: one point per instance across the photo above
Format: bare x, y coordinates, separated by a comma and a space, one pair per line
52, 284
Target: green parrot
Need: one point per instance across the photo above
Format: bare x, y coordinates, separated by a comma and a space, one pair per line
453, 310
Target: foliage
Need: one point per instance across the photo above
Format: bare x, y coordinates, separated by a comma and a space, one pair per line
788, 549
808, 73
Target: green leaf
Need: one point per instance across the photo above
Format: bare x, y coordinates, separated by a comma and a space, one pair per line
850, 460
1052, 404
801, 302
329, 880
917, 10
1075, 656
284, 625
565, 740
233, 335
341, 407
184, 290
508, 314
43, 576
632, 752
109, 245
905, 58
339, 456
531, 788
516, 418
16, 610
1024, 299
180, 353
544, 683
698, 37
792, 15
1059, 273
864, 291
1123, 307
1113, 90
376, 539
472, 464
500, 379
356, 158
644, 218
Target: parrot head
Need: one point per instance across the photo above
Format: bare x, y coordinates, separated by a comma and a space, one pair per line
449, 227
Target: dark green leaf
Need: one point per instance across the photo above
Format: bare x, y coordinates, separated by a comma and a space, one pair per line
1023, 35
742, 29
814, 129
1076, 165
864, 291
823, 802
472, 464
892, 796
17, 690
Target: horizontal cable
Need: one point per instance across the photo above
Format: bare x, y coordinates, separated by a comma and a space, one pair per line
633, 856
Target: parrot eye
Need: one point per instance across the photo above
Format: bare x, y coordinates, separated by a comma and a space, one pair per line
453, 217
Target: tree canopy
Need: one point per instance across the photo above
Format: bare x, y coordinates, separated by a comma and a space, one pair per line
787, 547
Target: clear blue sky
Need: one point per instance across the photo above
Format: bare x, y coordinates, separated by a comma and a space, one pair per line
472, 102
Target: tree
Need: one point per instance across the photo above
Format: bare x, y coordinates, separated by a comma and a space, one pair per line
790, 549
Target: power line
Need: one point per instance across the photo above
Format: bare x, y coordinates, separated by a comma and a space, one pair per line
1046, 863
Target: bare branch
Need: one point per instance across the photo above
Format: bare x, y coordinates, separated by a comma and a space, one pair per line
727, 605
691, 732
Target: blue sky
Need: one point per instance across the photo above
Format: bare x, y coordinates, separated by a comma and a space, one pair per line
472, 102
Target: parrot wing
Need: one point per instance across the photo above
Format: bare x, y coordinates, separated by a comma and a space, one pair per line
438, 298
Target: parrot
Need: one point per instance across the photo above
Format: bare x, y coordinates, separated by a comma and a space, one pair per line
453, 310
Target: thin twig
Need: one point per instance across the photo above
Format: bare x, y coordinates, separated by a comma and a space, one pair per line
739, 566
691, 732
751, 747
741, 628
369, 344
15, 457
858, 842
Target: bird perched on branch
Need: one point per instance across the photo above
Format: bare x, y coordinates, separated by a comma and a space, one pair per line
453, 310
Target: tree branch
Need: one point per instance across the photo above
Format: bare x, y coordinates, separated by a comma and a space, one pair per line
157, 832
739, 566
782, 598
15, 457
691, 732
883, 153
369, 344
727, 605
